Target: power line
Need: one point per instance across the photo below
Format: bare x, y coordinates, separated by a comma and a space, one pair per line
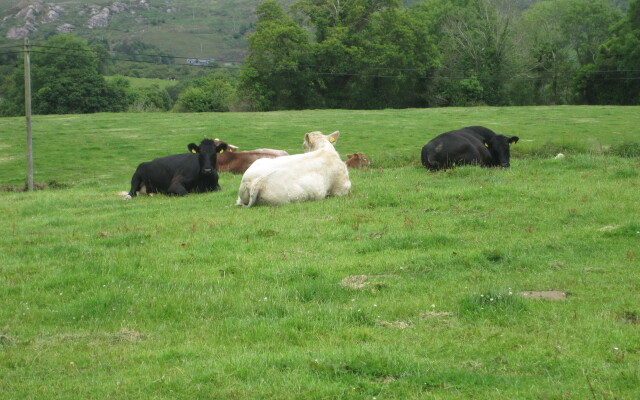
296, 68
303, 65
11, 52
12, 46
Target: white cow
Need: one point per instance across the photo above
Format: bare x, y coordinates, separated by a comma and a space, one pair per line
317, 173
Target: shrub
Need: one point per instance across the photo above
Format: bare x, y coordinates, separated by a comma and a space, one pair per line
214, 95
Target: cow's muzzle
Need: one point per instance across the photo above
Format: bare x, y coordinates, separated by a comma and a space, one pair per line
207, 171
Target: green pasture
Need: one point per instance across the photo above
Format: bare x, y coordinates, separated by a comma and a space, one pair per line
409, 288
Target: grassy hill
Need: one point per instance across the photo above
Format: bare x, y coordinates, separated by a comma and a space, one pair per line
415, 286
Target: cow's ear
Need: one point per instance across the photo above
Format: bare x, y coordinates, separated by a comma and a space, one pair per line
513, 139
350, 156
193, 148
307, 138
221, 147
334, 137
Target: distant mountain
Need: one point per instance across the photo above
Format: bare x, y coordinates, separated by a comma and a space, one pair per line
185, 28
204, 29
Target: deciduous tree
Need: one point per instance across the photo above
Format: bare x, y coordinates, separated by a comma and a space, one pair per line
274, 76
64, 79
614, 77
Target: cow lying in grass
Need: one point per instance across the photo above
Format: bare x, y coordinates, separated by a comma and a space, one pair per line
317, 173
475, 145
357, 160
179, 174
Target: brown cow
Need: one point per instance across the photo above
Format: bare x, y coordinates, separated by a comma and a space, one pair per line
357, 160
238, 162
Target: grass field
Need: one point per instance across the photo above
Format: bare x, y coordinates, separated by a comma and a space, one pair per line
409, 288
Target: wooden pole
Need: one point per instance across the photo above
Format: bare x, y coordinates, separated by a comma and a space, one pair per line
27, 113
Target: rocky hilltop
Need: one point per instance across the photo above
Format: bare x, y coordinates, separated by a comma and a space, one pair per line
29, 16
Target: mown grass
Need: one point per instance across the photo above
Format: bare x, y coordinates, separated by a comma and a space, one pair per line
386, 293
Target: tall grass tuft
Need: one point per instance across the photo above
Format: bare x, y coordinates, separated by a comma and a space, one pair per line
628, 149
500, 306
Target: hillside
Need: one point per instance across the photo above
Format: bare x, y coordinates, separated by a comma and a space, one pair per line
192, 28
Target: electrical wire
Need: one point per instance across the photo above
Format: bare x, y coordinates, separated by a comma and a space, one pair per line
266, 67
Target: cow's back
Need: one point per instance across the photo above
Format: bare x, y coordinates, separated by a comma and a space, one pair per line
160, 174
294, 178
239, 162
180, 166
463, 146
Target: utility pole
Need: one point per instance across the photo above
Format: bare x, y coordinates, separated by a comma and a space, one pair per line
27, 113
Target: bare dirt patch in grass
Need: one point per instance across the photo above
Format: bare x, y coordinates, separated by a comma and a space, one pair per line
630, 317
435, 314
36, 186
359, 282
96, 339
6, 340
555, 295
394, 324
11, 188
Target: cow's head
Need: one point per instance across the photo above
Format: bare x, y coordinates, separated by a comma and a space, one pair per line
317, 140
207, 151
498, 146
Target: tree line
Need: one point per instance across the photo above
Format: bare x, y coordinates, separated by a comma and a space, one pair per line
364, 54
378, 54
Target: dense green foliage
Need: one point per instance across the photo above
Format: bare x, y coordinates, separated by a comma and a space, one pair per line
612, 78
65, 79
366, 54
140, 51
212, 93
409, 288
275, 73
563, 37
378, 54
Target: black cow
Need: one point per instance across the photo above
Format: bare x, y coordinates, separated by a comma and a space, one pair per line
180, 174
475, 145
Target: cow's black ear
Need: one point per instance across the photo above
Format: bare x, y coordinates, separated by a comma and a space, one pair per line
193, 148
222, 147
514, 139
